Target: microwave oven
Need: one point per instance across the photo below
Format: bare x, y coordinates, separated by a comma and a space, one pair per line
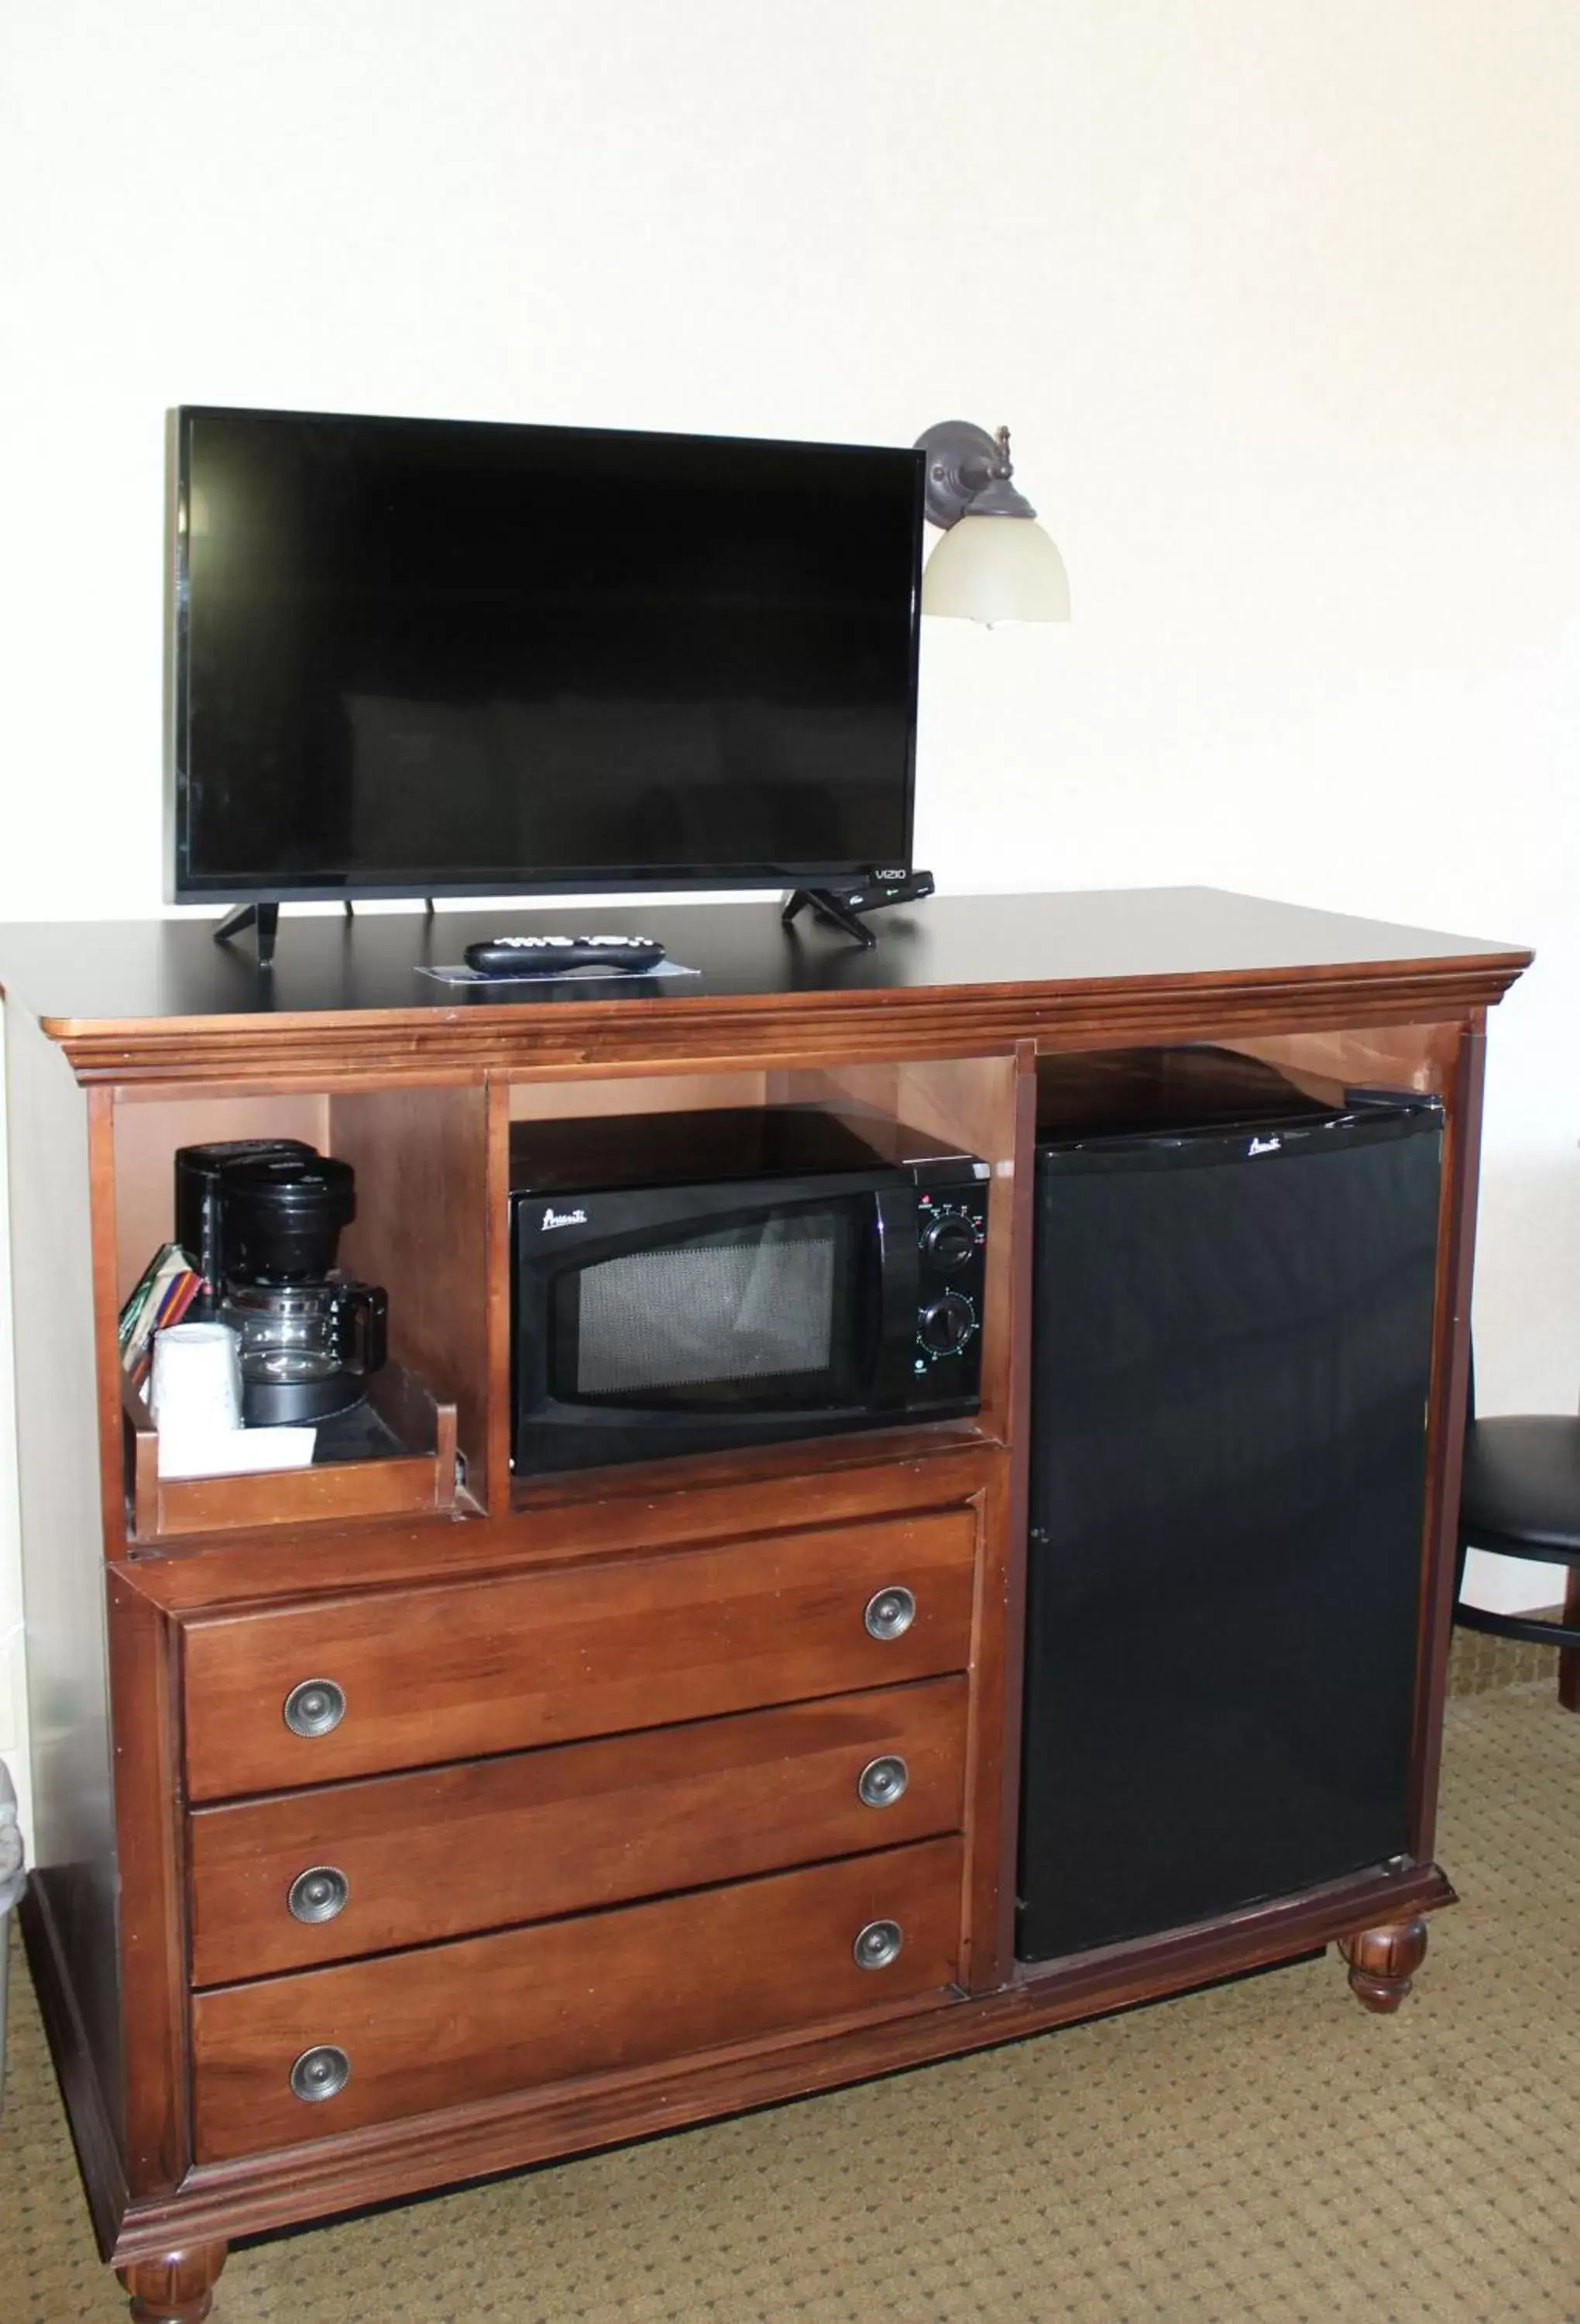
687, 1282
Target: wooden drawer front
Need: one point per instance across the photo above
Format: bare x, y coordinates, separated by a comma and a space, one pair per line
459, 2023
570, 1828
456, 1672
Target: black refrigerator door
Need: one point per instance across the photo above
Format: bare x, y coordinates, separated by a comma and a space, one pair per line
1233, 1341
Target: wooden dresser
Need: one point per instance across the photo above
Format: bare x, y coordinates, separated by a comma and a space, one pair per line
397, 1829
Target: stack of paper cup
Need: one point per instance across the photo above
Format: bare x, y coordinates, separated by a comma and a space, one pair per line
196, 1396
196, 1399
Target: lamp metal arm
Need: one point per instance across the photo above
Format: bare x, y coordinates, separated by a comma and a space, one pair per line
969, 474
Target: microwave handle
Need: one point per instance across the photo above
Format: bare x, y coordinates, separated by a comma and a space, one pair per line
899, 1280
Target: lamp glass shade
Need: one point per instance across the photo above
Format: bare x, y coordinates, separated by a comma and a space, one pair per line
997, 569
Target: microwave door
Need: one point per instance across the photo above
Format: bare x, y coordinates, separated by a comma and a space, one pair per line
751, 1314
699, 1322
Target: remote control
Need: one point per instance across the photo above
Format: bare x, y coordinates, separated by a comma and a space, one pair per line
506, 956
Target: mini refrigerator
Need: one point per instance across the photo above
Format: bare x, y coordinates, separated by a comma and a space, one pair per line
1233, 1334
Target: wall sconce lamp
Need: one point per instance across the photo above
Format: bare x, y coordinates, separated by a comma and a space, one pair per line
985, 570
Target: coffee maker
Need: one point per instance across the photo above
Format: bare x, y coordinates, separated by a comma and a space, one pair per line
259, 1220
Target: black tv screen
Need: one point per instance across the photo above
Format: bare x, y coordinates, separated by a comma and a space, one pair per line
433, 657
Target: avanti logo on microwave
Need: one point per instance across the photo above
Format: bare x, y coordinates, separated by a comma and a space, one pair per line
553, 1218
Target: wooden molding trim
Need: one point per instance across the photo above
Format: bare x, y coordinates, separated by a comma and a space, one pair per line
345, 1049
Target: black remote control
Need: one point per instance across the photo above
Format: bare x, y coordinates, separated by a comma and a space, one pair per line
510, 956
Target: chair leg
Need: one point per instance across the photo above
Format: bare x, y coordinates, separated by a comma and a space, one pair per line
1569, 1657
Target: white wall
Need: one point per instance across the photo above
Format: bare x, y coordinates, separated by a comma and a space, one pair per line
1284, 304
13, 1670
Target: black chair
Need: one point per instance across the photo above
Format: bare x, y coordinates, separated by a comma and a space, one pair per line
1519, 1496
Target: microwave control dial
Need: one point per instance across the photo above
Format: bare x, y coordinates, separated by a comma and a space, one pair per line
946, 1327
950, 1240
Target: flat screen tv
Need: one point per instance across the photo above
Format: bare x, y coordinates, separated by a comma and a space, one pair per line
415, 657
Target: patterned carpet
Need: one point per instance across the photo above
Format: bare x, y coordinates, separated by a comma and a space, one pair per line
1264, 2153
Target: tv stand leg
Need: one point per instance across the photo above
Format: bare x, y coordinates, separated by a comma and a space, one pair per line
175, 2289
827, 907
264, 917
1383, 1962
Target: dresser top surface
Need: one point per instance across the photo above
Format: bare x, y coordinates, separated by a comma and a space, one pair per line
78, 978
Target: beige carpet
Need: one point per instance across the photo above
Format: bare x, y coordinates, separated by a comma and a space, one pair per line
1265, 2153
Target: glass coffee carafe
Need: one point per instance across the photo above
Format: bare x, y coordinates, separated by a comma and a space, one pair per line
308, 1349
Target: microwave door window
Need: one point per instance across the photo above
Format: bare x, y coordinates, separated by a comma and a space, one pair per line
755, 1316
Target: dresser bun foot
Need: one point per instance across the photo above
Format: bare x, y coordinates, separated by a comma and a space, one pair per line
177, 2287
1383, 1962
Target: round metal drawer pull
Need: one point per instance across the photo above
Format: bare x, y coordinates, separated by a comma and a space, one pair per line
890, 1613
320, 2074
882, 1782
878, 1944
316, 1707
318, 1894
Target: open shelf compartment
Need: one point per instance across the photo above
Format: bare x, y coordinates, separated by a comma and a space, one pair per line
970, 1104
420, 1232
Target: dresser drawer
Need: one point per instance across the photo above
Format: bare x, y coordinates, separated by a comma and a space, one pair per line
323, 1876
375, 2041
409, 1678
